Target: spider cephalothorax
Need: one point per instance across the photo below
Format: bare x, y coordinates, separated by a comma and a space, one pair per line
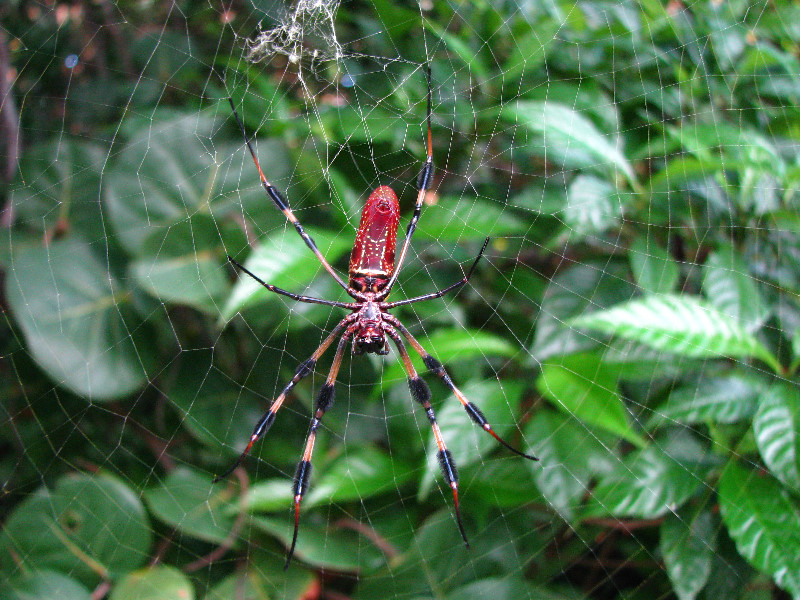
372, 273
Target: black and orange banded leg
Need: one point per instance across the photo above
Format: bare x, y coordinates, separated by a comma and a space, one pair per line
421, 393
283, 205
303, 369
302, 474
435, 367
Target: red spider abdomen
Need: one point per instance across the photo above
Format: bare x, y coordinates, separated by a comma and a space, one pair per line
372, 260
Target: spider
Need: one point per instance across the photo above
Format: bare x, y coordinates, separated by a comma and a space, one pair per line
372, 273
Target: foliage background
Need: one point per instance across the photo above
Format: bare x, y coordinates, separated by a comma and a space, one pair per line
636, 314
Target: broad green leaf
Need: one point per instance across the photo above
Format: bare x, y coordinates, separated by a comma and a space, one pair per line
73, 316
456, 220
764, 521
653, 268
324, 546
568, 137
89, 526
777, 429
358, 475
530, 50
592, 206
652, 482
452, 345
162, 582
504, 482
507, 586
679, 324
569, 456
285, 261
189, 502
570, 293
730, 288
720, 399
585, 390
270, 495
262, 577
43, 585
688, 543
466, 441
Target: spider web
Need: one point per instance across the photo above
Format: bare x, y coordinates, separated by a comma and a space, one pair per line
633, 322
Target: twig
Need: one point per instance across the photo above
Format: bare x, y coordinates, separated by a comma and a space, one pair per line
372, 535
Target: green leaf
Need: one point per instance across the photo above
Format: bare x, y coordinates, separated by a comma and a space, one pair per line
70, 310
592, 206
269, 495
568, 137
189, 502
43, 585
777, 429
468, 443
530, 50
585, 390
688, 543
162, 582
89, 526
569, 456
284, 261
358, 475
729, 287
652, 482
764, 521
457, 220
682, 325
449, 345
720, 399
653, 268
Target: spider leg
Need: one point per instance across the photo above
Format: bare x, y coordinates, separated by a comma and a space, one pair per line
324, 402
440, 293
303, 369
435, 367
422, 394
423, 185
291, 295
283, 205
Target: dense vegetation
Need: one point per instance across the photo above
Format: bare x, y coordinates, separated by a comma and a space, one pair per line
637, 313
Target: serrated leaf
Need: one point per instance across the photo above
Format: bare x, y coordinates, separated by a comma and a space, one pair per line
284, 261
189, 502
468, 443
650, 483
688, 542
569, 456
720, 399
70, 310
358, 475
777, 429
653, 268
587, 391
162, 582
729, 287
764, 521
568, 137
679, 324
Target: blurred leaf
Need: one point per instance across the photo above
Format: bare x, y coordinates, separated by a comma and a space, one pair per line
88, 526
358, 475
43, 585
162, 582
568, 137
764, 521
730, 288
688, 543
679, 324
193, 505
592, 206
269, 495
283, 261
777, 429
71, 311
653, 268
583, 389
466, 441
530, 50
458, 220
569, 456
722, 399
651, 482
